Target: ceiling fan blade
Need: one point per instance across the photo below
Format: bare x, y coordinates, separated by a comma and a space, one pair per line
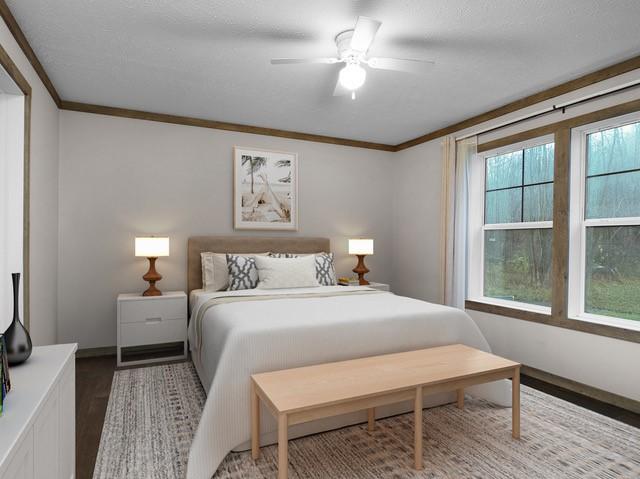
364, 33
401, 64
293, 61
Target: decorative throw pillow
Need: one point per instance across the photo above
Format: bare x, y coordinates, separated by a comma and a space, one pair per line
325, 271
243, 273
276, 273
215, 272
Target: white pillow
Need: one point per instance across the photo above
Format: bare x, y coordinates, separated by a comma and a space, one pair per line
276, 273
325, 270
215, 272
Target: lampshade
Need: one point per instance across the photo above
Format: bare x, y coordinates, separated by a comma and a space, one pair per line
360, 246
152, 246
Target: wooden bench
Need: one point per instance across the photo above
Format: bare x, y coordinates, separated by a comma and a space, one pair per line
305, 394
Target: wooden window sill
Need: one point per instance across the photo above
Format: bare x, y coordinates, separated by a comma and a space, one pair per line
559, 322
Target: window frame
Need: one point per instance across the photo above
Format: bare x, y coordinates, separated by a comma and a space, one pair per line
477, 227
578, 224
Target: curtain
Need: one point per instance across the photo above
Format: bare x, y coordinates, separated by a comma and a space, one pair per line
457, 157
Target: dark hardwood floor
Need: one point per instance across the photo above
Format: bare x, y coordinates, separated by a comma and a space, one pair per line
93, 384
586, 402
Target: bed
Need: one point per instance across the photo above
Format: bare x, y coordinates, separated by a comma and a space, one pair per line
234, 334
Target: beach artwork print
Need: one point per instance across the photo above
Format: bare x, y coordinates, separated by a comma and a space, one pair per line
265, 189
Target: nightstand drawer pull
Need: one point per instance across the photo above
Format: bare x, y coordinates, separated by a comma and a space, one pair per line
153, 320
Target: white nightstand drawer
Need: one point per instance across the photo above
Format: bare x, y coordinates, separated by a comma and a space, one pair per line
154, 310
152, 332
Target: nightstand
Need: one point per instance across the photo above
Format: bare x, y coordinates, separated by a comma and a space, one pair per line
149, 320
378, 286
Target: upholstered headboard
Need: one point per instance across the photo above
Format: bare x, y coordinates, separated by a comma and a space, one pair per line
245, 244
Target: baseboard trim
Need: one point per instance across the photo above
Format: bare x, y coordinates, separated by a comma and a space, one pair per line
584, 389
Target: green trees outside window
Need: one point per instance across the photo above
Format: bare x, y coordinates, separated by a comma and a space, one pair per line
517, 261
612, 263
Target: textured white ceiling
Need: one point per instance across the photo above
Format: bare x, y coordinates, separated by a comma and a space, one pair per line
210, 59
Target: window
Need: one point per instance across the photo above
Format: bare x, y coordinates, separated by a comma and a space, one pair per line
605, 230
510, 235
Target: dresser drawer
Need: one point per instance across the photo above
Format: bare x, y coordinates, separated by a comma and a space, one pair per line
153, 332
153, 310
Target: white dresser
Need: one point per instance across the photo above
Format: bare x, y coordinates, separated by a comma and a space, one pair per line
37, 429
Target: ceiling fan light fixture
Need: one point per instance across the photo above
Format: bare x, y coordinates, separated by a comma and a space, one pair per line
352, 76
353, 47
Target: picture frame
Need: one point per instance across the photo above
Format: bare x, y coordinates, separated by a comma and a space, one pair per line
265, 189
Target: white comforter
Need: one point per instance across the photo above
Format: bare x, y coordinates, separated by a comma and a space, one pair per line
243, 338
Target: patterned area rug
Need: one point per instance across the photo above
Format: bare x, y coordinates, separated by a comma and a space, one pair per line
153, 414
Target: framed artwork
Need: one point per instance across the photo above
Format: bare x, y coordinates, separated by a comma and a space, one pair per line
265, 189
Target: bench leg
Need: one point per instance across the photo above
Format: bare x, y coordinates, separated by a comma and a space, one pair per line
255, 423
418, 428
461, 398
371, 416
283, 447
515, 404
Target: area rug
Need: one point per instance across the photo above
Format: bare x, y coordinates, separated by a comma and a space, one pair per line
153, 413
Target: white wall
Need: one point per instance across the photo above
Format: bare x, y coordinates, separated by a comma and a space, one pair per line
121, 177
44, 199
416, 222
605, 363
601, 362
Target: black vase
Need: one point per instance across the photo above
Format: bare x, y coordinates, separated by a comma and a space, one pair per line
16, 337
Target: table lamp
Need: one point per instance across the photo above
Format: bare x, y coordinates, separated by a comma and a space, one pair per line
152, 247
361, 248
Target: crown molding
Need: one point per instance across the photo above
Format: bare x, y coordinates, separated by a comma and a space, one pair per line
549, 128
12, 69
22, 41
219, 125
17, 33
566, 87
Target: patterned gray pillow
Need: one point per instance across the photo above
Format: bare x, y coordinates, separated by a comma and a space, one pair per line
243, 272
325, 271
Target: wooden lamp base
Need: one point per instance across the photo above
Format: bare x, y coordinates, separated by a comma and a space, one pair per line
361, 270
152, 276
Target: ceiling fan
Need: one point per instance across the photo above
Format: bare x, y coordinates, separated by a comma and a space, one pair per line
353, 46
